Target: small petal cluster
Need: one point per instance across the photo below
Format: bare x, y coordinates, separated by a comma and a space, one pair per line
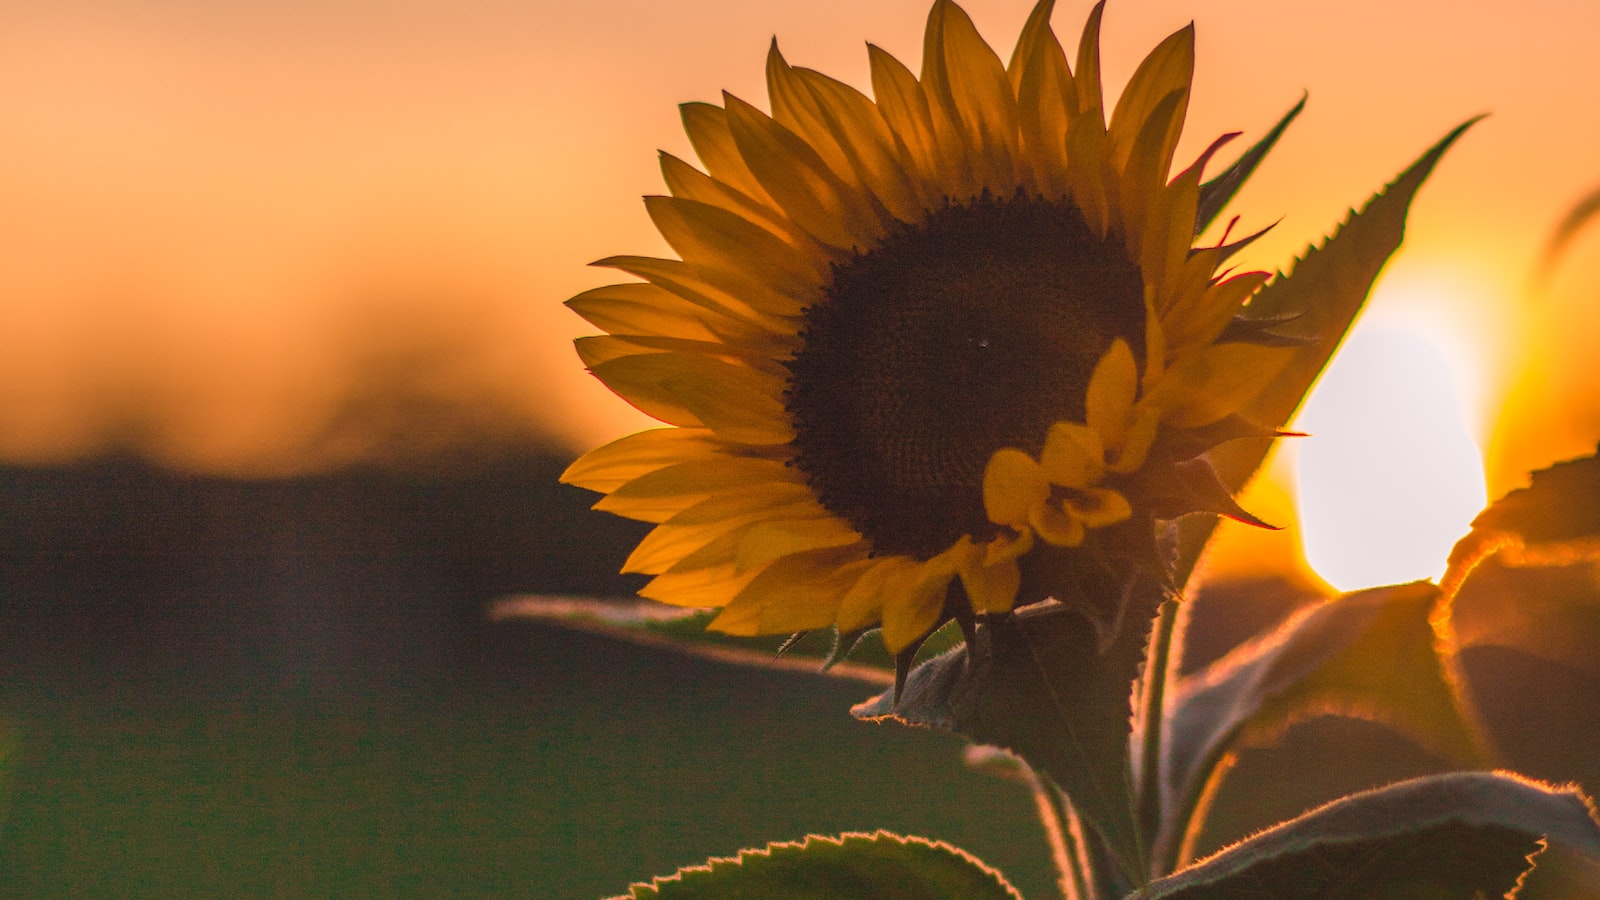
784, 203
1058, 496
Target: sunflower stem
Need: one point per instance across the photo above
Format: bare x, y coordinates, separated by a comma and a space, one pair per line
1153, 719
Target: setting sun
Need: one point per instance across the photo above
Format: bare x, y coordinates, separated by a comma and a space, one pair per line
1391, 475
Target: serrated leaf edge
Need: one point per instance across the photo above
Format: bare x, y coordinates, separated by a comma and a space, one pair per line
810, 840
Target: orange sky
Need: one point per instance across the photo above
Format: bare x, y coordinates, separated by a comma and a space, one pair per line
223, 231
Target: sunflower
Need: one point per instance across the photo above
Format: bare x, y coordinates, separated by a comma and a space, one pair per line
931, 354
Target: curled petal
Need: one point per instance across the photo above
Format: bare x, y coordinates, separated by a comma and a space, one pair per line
1013, 484
1055, 525
1099, 507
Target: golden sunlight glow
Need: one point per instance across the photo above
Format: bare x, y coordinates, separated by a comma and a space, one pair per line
231, 231
1391, 476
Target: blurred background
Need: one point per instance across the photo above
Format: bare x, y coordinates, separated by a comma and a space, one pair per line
286, 382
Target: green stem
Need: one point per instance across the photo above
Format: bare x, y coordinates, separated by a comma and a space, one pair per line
1153, 718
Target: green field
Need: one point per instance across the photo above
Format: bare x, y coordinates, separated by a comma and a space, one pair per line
540, 764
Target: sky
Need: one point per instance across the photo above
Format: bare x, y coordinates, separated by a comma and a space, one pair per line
259, 238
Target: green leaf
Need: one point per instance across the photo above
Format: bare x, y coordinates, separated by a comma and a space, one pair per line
1215, 194
684, 630
1047, 685
1553, 521
1324, 291
866, 866
1371, 654
1463, 835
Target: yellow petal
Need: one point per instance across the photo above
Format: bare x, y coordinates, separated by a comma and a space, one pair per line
862, 606
1087, 172
1112, 389
992, 588
846, 130
904, 106
1202, 319
971, 97
1099, 507
707, 128
1046, 100
645, 309
609, 467
1216, 383
1155, 344
666, 493
746, 408
1144, 175
680, 278
1136, 444
1056, 526
742, 257
794, 108
1033, 44
675, 544
795, 593
598, 349
1013, 484
665, 545
697, 588
1169, 68
770, 497
1169, 233
1087, 79
804, 187
910, 614
1073, 455
736, 402
776, 538
685, 181
880, 161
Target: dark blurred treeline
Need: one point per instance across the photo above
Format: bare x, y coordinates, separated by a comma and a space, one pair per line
360, 575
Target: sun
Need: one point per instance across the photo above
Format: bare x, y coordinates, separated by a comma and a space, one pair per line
1391, 476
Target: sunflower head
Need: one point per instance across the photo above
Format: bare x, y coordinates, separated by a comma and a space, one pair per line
930, 354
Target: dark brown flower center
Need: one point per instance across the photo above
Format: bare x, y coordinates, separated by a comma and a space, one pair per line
974, 330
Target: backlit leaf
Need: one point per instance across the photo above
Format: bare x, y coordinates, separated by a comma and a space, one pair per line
684, 630
1372, 654
865, 866
1555, 520
1580, 216
1459, 836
